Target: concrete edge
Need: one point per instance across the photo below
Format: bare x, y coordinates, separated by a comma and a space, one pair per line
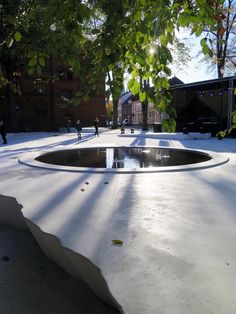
28, 159
76, 265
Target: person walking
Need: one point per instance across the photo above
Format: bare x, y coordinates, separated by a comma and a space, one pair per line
3, 131
79, 129
96, 125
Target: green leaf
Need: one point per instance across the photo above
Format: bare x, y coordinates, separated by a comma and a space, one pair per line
39, 69
42, 62
233, 117
184, 19
107, 51
161, 106
134, 73
205, 50
168, 125
203, 42
198, 31
17, 36
142, 96
167, 71
139, 59
131, 83
233, 127
135, 88
33, 61
165, 125
164, 40
31, 71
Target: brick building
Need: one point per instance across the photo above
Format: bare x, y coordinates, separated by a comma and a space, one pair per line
48, 101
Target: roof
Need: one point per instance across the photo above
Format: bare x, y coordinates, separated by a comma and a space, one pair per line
175, 81
125, 97
213, 81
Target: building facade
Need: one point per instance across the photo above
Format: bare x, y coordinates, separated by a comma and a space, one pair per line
53, 100
201, 106
207, 105
137, 116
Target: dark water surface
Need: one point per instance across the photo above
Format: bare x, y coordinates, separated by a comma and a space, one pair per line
123, 157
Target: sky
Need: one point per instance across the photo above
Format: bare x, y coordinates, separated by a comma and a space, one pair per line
196, 70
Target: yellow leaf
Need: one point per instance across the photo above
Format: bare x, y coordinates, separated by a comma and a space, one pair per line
117, 242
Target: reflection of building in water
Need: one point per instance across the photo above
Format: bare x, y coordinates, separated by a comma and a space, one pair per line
109, 157
135, 157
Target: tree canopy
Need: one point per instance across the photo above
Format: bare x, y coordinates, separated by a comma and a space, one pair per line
219, 42
114, 35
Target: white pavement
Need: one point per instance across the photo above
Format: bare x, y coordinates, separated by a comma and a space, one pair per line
178, 228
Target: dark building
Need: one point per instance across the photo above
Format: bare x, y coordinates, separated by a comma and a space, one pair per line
47, 102
207, 105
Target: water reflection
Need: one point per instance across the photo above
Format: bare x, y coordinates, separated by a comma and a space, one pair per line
123, 157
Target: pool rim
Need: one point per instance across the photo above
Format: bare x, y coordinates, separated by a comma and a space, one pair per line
217, 159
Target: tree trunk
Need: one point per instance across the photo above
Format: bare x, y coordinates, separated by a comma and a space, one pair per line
145, 115
145, 108
115, 113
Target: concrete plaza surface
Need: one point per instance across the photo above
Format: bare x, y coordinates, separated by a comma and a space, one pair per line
178, 228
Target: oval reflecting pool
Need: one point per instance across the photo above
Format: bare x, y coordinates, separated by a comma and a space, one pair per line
123, 157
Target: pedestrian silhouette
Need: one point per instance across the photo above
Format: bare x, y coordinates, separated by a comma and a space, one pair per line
96, 125
3, 131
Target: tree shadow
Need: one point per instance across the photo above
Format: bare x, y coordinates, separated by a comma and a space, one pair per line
31, 283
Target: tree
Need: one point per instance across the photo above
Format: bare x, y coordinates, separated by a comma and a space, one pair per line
32, 30
221, 40
215, 20
121, 40
108, 48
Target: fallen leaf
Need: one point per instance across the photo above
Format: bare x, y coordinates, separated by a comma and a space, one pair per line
117, 242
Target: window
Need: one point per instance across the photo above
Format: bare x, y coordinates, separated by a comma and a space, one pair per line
39, 86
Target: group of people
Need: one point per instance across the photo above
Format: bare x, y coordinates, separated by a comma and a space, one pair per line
79, 127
